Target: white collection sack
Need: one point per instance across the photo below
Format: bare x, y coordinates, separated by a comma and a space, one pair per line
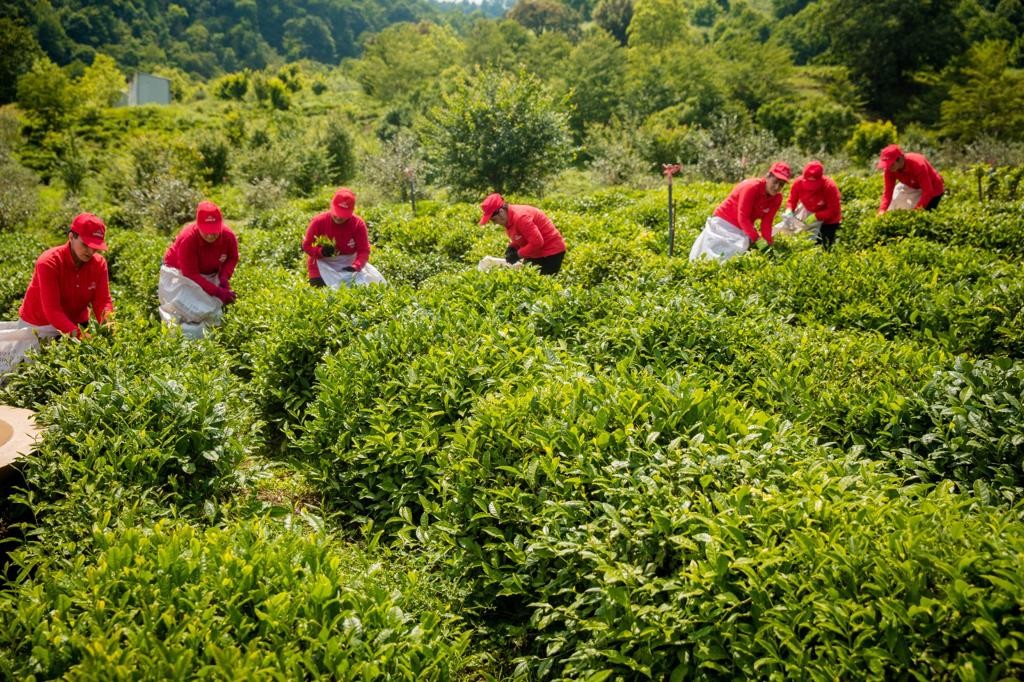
904, 198
719, 240
334, 275
492, 262
184, 303
797, 222
18, 338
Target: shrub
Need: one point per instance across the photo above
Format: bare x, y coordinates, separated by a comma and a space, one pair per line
510, 141
18, 196
868, 138
176, 601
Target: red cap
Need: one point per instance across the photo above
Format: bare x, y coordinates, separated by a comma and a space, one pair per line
780, 169
208, 218
889, 156
90, 230
814, 171
343, 204
490, 206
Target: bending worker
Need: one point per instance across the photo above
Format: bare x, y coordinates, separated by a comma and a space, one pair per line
915, 174
730, 230
532, 237
337, 245
818, 195
68, 280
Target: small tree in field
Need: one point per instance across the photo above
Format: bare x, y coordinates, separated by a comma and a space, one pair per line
497, 131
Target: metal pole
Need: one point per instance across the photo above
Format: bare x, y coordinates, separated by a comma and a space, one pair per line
670, 169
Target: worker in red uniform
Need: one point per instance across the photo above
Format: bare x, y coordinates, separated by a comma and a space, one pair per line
819, 195
913, 171
532, 237
731, 230
68, 280
344, 232
206, 252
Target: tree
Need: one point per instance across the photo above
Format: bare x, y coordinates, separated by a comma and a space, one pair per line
990, 99
309, 37
18, 50
497, 131
544, 15
885, 42
403, 60
596, 75
614, 16
659, 24
101, 84
45, 93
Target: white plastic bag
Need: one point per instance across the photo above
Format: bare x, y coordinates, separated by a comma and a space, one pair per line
492, 262
796, 222
185, 304
334, 275
904, 198
719, 240
18, 338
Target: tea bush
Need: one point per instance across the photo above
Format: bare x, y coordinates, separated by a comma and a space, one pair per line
19, 258
248, 599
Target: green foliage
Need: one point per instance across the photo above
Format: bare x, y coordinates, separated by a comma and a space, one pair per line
990, 100
101, 84
614, 16
544, 15
18, 51
868, 138
18, 195
511, 139
231, 86
341, 159
45, 93
279, 600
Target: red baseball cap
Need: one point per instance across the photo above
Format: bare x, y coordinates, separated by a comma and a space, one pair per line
91, 230
889, 155
343, 204
490, 206
208, 218
814, 170
780, 169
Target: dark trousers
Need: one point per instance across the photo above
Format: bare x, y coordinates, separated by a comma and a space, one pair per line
934, 203
827, 235
549, 265
317, 282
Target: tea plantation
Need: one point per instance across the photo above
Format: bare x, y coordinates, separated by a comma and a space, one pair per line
799, 465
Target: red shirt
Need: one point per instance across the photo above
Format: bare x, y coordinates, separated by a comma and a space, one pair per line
917, 173
349, 237
748, 202
60, 292
820, 197
532, 232
195, 257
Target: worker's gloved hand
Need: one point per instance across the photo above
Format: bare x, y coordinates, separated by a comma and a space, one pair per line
511, 255
351, 269
226, 296
327, 250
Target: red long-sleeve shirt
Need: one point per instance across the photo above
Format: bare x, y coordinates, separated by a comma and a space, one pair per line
917, 173
820, 197
61, 292
349, 237
532, 232
748, 202
195, 257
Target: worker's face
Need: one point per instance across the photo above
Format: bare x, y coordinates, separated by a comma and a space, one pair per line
774, 185
210, 238
500, 217
79, 249
898, 164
